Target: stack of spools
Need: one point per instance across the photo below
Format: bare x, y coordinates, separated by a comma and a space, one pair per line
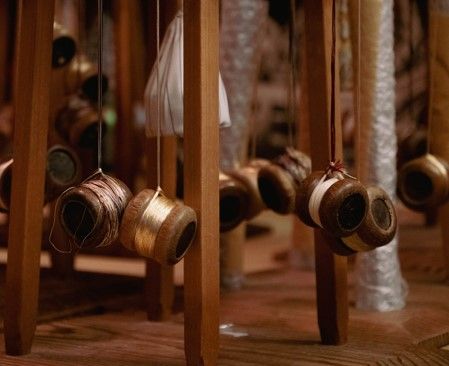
362, 218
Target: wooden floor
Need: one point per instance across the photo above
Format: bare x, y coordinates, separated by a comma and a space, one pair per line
270, 322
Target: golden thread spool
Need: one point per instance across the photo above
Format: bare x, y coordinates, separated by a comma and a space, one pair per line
64, 46
157, 227
82, 76
341, 208
247, 175
5, 185
78, 123
423, 183
63, 170
279, 180
90, 213
380, 224
233, 202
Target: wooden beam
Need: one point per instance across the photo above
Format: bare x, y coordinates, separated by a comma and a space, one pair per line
32, 94
201, 277
331, 269
130, 74
159, 280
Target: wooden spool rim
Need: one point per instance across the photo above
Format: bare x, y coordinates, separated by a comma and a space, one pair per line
372, 233
334, 208
424, 182
277, 189
5, 185
64, 46
248, 177
52, 182
233, 202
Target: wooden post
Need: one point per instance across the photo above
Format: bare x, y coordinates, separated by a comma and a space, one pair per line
130, 61
331, 269
159, 282
32, 75
6, 36
201, 278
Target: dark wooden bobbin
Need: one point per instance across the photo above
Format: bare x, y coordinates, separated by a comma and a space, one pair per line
343, 206
77, 123
279, 180
378, 228
157, 227
90, 213
234, 200
413, 146
64, 46
423, 183
63, 170
82, 76
5, 185
248, 175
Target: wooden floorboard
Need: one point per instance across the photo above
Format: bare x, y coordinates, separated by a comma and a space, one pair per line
272, 321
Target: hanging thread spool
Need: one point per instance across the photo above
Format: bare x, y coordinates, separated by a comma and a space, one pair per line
90, 213
279, 180
379, 226
82, 76
63, 170
157, 227
64, 46
332, 202
247, 175
5, 185
78, 123
233, 204
424, 182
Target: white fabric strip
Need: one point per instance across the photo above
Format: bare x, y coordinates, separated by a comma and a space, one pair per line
317, 196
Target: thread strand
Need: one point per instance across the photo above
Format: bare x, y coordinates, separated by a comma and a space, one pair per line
100, 82
333, 74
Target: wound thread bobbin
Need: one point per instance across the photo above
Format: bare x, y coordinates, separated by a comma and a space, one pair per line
337, 204
247, 175
90, 213
279, 180
424, 182
233, 203
380, 224
64, 46
157, 227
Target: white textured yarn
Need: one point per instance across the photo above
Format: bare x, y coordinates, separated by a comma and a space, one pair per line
317, 197
171, 85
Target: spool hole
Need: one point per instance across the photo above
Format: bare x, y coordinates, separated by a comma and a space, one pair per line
185, 240
418, 186
90, 87
64, 49
271, 194
78, 219
352, 211
231, 210
381, 213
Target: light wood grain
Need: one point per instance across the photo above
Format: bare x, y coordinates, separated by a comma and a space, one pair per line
159, 284
201, 278
32, 73
131, 74
332, 301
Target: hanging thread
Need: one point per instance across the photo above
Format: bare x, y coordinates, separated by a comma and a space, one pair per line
100, 81
333, 73
292, 56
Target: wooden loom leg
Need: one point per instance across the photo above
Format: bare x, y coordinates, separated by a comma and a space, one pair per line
34, 40
131, 78
159, 280
201, 267
159, 286
331, 270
